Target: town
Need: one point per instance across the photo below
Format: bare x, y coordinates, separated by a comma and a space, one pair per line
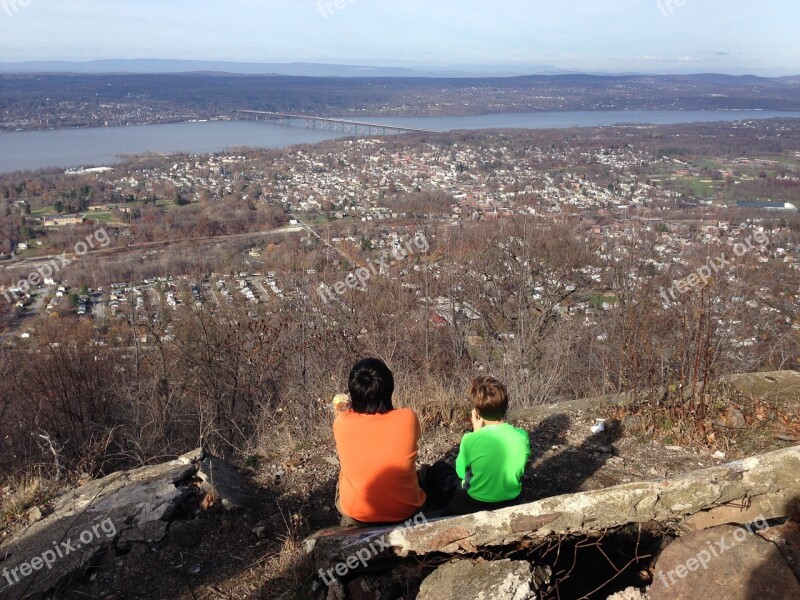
189, 232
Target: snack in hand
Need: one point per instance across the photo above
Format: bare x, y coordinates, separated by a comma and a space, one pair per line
341, 402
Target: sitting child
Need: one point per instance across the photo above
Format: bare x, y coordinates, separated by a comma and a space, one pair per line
377, 446
491, 460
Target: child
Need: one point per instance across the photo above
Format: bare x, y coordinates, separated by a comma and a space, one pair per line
377, 446
491, 460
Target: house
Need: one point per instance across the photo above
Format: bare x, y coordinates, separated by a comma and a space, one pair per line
63, 220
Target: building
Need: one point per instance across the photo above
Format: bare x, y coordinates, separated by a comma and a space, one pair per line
767, 205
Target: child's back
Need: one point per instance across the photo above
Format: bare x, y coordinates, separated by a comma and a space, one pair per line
491, 462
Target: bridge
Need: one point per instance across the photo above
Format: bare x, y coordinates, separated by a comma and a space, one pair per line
331, 123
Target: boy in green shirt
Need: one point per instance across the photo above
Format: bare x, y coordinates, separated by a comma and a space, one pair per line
491, 460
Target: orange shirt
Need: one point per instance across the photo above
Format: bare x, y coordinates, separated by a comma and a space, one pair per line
378, 454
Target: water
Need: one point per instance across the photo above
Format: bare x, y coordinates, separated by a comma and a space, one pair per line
20, 150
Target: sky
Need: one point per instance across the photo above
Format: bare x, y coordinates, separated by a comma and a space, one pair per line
656, 36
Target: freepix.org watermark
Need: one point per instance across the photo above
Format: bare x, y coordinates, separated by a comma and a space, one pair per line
99, 238
363, 555
701, 275
667, 7
360, 277
327, 8
11, 7
714, 550
60, 549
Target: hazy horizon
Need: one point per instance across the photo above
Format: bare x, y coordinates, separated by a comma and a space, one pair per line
507, 37
312, 69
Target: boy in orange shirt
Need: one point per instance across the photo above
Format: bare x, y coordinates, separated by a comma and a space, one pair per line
377, 446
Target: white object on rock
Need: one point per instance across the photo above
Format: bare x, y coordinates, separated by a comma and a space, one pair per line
599, 425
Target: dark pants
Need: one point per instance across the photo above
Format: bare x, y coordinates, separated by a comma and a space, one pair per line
442, 486
347, 521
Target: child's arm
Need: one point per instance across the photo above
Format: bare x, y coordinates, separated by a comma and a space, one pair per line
461, 460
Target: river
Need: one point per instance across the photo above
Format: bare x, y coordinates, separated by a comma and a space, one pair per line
22, 150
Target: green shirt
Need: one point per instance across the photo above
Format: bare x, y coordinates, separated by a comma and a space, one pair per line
491, 462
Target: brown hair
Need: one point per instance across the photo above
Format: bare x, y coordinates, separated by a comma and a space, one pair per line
489, 396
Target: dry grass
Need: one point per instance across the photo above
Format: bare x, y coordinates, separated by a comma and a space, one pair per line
19, 494
291, 566
437, 403
710, 424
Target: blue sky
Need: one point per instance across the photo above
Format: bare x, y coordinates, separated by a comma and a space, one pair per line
732, 36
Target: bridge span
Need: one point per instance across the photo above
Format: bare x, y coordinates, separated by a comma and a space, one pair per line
332, 123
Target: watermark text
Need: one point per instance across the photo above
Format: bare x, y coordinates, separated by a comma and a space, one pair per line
60, 550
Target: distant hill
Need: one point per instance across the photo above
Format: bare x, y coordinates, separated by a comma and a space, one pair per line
299, 69
46, 100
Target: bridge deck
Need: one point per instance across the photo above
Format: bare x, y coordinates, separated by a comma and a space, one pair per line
337, 121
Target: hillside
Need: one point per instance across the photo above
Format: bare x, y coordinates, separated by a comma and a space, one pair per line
255, 553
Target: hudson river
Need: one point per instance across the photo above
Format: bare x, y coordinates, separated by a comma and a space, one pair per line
20, 150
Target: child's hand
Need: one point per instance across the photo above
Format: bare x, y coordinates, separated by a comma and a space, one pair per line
477, 420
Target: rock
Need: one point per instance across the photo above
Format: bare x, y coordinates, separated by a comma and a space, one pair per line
734, 418
482, 580
633, 422
777, 385
34, 514
730, 491
86, 521
335, 591
723, 562
259, 530
223, 482
786, 538
630, 593
146, 533
123, 510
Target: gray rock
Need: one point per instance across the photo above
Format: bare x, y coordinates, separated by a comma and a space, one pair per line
34, 514
149, 532
259, 530
121, 509
482, 580
734, 418
630, 593
633, 422
765, 482
225, 484
723, 562
786, 538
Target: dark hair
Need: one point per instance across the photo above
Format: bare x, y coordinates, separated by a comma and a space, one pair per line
489, 396
371, 386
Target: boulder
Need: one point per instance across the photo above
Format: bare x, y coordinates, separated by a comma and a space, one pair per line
786, 538
117, 511
224, 484
725, 562
767, 482
480, 580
